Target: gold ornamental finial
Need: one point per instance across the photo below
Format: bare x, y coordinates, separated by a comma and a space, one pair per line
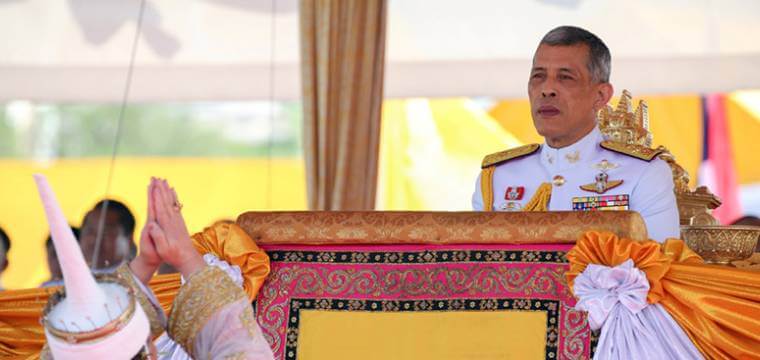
625, 125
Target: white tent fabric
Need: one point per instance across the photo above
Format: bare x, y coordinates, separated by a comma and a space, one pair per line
78, 50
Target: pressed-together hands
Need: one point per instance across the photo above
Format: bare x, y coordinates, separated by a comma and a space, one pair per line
164, 238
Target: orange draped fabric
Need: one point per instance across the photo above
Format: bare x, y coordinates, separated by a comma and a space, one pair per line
717, 306
231, 243
22, 336
20, 332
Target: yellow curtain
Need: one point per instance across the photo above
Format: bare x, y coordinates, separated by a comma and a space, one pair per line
205, 197
342, 60
22, 336
717, 306
743, 117
426, 140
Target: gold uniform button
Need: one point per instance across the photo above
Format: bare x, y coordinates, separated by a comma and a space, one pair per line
558, 180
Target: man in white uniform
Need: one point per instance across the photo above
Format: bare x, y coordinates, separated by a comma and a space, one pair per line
576, 169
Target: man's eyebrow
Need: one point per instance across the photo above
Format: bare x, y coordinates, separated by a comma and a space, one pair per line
568, 70
538, 68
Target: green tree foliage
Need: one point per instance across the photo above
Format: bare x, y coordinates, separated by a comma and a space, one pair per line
174, 129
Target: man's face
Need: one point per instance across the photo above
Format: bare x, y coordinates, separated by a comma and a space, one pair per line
114, 248
563, 97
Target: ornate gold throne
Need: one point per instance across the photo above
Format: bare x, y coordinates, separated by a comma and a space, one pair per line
626, 125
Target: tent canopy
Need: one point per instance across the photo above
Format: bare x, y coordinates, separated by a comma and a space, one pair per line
78, 50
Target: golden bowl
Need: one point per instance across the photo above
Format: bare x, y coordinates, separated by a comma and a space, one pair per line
719, 244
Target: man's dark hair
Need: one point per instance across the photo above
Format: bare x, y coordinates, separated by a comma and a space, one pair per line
126, 219
598, 54
6, 241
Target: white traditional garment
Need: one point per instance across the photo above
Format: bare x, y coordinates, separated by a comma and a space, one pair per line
212, 317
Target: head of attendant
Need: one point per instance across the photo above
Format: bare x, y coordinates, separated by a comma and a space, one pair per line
568, 84
52, 257
5, 246
118, 243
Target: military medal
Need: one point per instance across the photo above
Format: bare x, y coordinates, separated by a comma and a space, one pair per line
602, 183
510, 206
514, 193
603, 202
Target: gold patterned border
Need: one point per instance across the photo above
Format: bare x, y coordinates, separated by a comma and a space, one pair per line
156, 326
204, 293
396, 227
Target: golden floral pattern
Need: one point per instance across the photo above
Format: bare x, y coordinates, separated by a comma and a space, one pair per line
156, 326
205, 292
248, 321
371, 227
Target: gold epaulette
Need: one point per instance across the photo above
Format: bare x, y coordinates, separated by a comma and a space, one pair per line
637, 151
511, 154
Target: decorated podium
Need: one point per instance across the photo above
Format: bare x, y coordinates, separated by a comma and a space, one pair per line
462, 285
401, 285
407, 285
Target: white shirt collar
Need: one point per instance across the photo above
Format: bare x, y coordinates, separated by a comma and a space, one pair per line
567, 157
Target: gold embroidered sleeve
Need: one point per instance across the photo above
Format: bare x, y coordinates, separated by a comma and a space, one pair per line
156, 326
204, 293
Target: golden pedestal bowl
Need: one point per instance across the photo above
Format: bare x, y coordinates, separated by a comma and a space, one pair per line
719, 244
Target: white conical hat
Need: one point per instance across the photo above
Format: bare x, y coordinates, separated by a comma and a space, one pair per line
88, 319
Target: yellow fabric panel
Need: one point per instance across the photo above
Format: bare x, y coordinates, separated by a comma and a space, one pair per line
431, 151
743, 117
676, 123
717, 306
465, 128
514, 116
337, 335
394, 190
210, 189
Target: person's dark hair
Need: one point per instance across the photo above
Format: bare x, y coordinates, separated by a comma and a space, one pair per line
598, 54
126, 219
49, 241
747, 220
5, 240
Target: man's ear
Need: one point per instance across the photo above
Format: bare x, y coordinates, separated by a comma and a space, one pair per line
5, 265
603, 95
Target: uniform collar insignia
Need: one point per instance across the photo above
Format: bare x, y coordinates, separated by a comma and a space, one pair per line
569, 156
573, 157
